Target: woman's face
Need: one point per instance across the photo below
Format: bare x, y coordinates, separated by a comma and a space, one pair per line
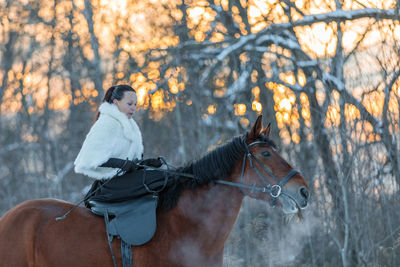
127, 104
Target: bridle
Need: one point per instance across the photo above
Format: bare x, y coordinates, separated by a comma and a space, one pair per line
274, 190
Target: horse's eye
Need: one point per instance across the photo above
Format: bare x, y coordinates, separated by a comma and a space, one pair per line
265, 154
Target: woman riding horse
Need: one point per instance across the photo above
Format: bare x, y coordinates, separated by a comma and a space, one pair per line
195, 217
113, 146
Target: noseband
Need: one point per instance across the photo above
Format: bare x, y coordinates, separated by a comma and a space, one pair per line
274, 190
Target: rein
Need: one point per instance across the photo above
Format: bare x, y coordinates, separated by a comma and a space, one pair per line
86, 197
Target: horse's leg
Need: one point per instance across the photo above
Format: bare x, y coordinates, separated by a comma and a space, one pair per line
17, 237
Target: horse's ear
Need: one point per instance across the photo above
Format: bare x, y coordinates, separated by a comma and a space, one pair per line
255, 129
267, 130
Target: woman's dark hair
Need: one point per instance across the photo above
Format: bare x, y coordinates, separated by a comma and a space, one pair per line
115, 92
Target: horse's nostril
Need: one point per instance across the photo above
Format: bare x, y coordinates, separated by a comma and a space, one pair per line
304, 193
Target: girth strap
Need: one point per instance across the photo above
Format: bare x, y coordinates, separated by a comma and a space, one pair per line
109, 238
126, 253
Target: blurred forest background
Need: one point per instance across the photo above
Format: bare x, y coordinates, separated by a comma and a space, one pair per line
325, 73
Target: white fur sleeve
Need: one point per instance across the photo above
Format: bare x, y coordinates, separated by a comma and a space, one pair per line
97, 149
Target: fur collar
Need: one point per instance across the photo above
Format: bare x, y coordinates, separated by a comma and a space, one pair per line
128, 125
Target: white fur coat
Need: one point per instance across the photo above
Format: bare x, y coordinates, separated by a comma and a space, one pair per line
113, 135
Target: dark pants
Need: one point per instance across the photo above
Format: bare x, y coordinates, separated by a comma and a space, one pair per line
126, 187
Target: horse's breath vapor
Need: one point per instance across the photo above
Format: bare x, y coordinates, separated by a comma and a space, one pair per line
292, 240
186, 252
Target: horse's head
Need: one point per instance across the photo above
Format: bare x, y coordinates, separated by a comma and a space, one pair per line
270, 177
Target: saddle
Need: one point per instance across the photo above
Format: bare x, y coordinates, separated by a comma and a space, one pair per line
128, 204
133, 221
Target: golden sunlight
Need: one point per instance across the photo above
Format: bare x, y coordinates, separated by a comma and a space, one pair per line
256, 92
305, 112
119, 6
244, 122
296, 138
173, 85
332, 116
212, 109
195, 14
256, 106
304, 99
373, 102
157, 100
240, 109
141, 93
285, 105
351, 112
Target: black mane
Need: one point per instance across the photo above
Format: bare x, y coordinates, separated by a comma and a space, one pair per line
216, 164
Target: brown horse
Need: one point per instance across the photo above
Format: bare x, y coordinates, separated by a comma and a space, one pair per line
191, 232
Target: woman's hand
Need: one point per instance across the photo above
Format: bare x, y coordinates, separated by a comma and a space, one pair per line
125, 165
